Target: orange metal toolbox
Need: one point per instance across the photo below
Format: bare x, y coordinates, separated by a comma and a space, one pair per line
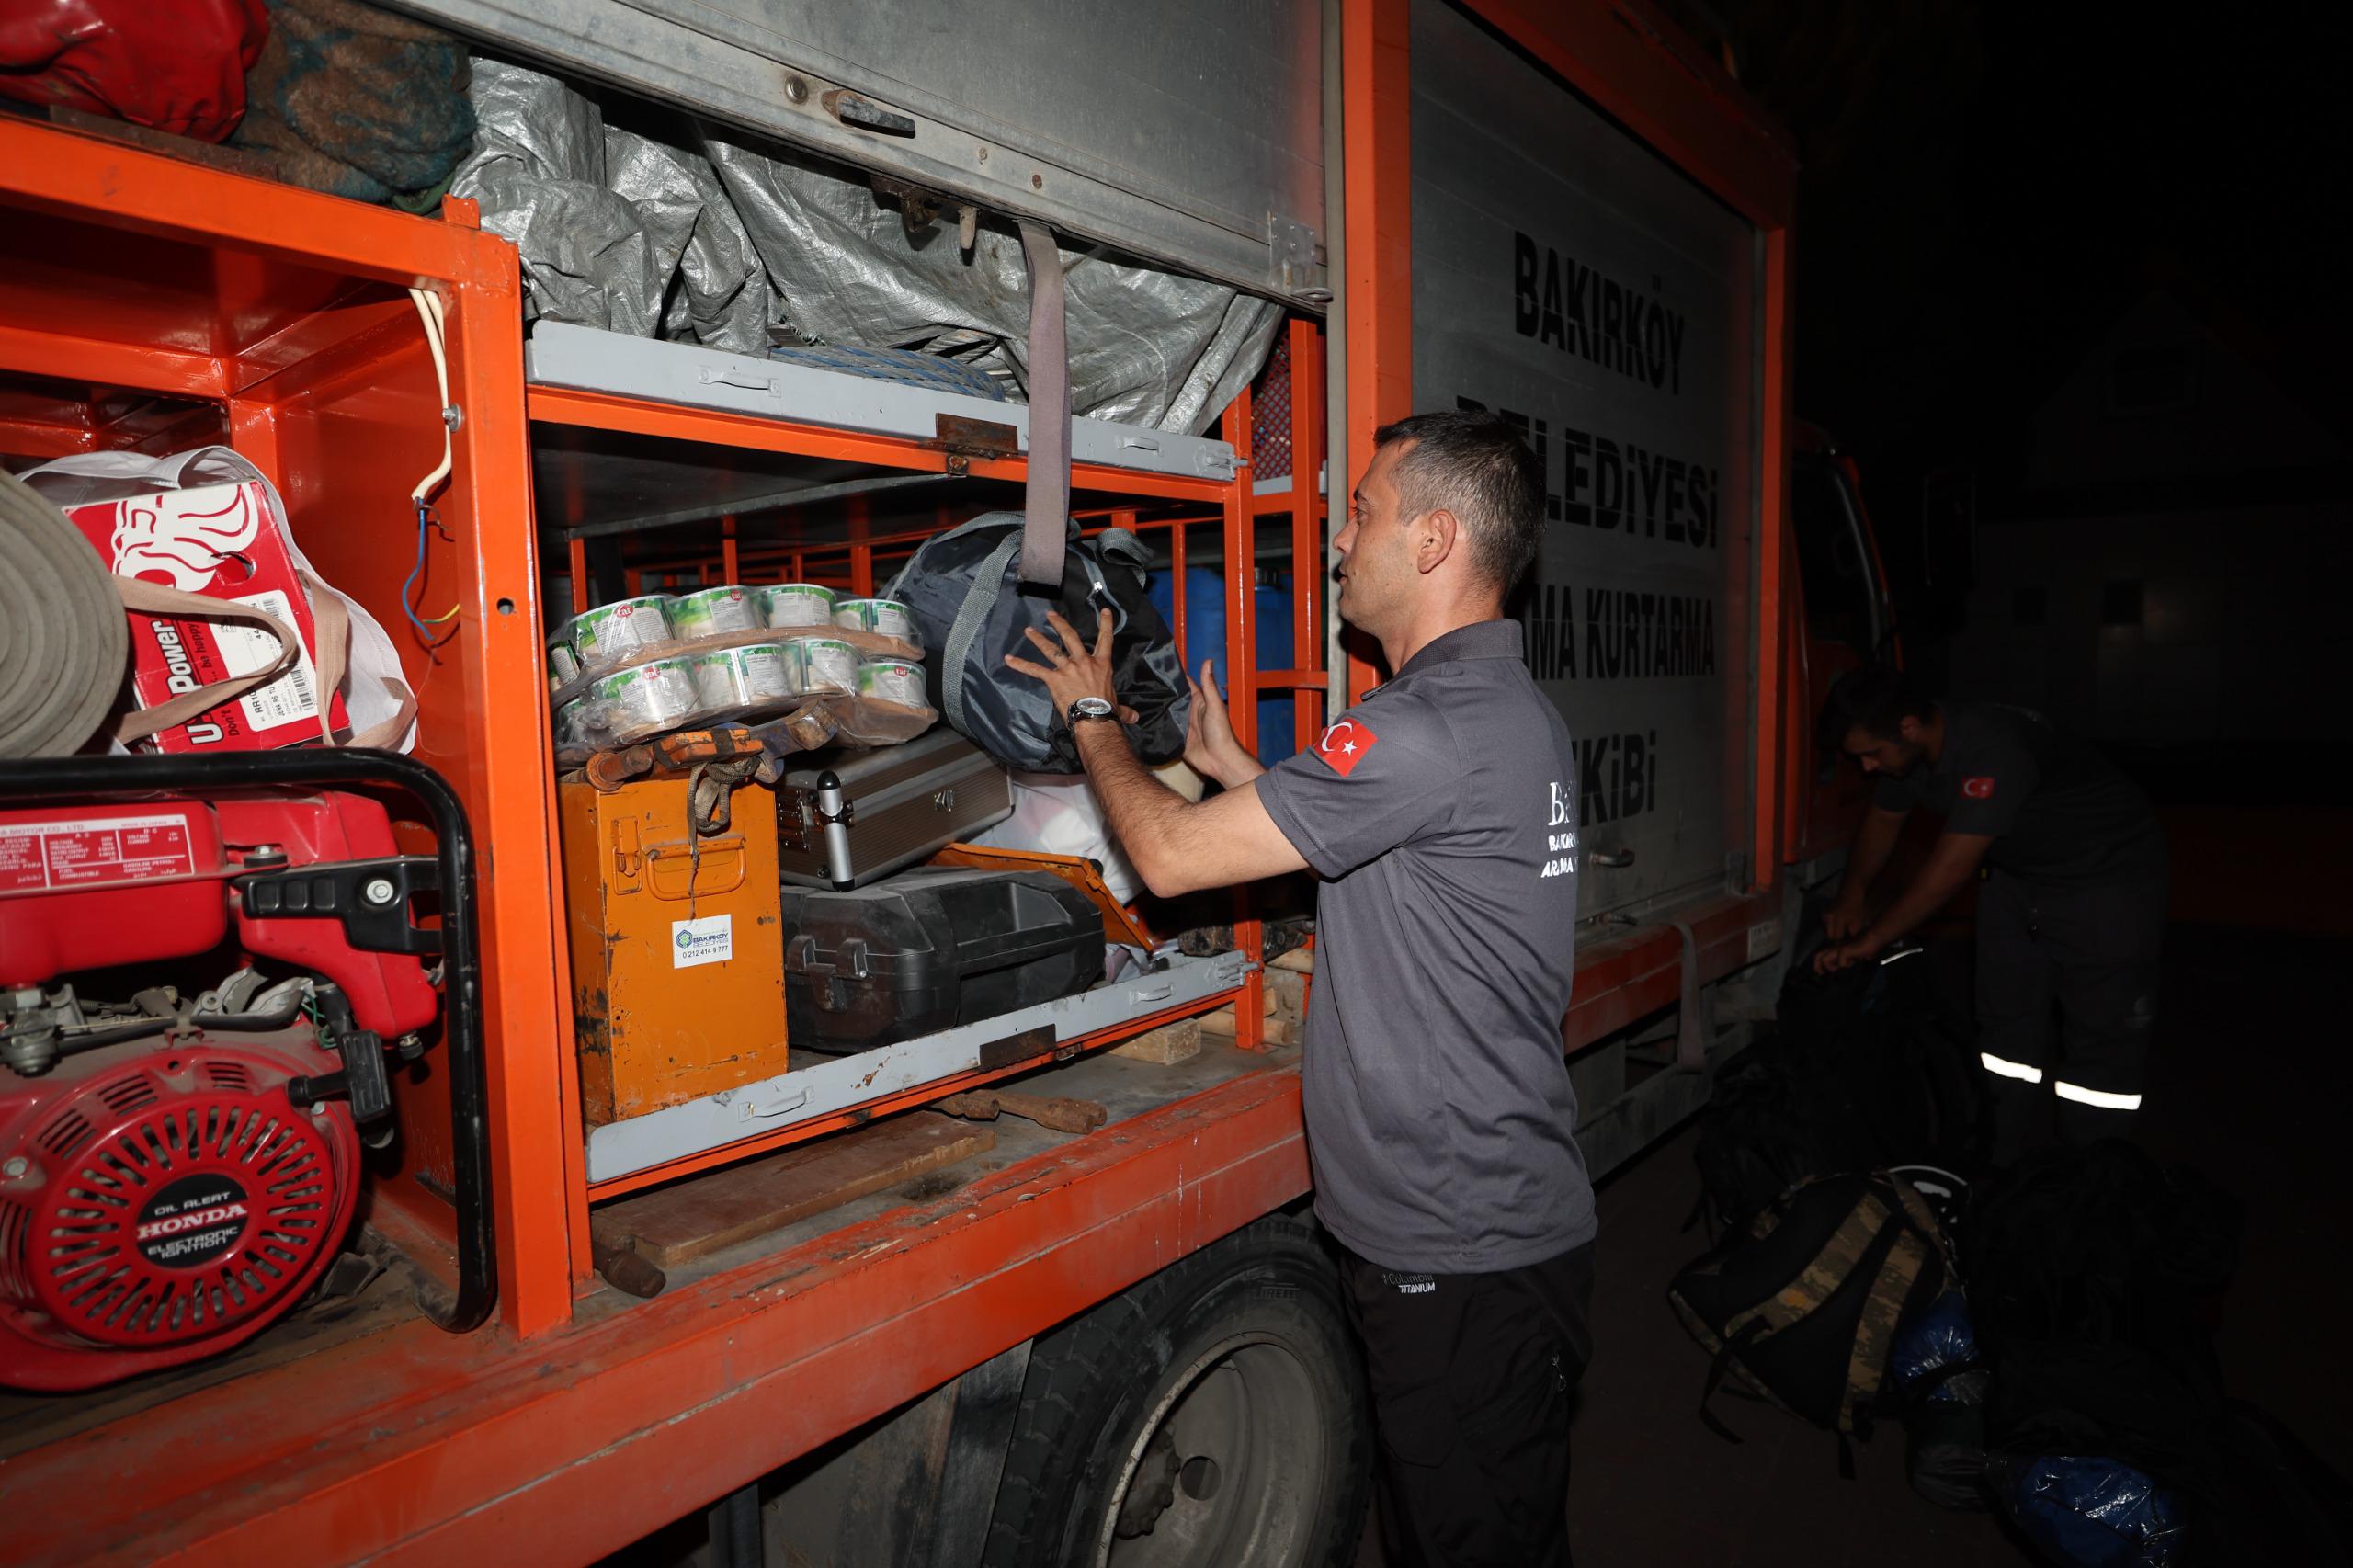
677, 956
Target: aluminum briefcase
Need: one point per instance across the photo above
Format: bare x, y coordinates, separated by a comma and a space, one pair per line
844, 818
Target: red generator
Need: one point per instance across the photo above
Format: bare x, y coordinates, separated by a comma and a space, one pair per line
179, 1163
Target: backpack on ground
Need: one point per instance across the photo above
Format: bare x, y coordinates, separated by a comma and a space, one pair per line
1802, 1305
1861, 1068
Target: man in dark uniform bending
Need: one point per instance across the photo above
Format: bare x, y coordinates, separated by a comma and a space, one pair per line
2072, 909
1440, 813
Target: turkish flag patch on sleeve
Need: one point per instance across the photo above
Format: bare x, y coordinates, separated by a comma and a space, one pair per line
1978, 789
1344, 745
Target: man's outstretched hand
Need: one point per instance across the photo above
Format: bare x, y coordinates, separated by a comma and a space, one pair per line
1072, 670
1211, 748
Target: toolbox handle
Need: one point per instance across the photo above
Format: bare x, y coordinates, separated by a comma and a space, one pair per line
672, 870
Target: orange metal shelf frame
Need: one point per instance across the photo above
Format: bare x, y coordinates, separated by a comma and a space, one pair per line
855, 558
285, 309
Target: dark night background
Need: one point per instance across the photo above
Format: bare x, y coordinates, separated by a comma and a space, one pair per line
1997, 201
2079, 276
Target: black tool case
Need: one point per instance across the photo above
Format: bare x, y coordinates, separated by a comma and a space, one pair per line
844, 820
930, 949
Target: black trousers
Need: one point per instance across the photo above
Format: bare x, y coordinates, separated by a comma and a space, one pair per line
2066, 1002
1472, 1377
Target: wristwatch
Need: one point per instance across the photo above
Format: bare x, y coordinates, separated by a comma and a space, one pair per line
1087, 708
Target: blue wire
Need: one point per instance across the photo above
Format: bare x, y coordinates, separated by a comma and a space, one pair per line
426, 520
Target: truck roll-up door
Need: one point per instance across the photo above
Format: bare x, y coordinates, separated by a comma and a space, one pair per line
1187, 135
1567, 277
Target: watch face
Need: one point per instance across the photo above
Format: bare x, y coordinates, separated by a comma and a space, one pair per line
1092, 708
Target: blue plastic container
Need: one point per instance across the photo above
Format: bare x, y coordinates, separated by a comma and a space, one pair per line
1205, 638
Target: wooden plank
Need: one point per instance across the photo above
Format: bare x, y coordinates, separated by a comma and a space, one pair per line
1168, 1044
678, 1223
1278, 1030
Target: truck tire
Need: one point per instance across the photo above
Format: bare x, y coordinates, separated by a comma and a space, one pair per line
1211, 1417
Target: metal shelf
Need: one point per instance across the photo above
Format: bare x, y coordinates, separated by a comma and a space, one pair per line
813, 1098
632, 432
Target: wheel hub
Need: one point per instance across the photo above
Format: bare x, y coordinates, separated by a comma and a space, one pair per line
1152, 1489
1222, 1481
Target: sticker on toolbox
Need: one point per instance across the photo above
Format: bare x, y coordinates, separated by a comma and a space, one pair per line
290, 699
74, 852
711, 939
1764, 938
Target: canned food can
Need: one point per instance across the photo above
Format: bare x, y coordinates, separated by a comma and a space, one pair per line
651, 695
827, 664
711, 611
891, 680
797, 604
562, 663
745, 677
887, 617
612, 633
567, 723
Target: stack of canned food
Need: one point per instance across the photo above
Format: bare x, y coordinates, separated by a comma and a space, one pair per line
660, 693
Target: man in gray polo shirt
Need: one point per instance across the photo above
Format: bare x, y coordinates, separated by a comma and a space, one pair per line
1440, 813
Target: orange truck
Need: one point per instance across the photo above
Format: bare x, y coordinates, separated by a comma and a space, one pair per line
1108, 1335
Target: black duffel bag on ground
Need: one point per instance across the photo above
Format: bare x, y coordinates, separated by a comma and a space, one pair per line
972, 609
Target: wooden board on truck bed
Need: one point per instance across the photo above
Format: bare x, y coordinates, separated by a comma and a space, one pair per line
683, 1222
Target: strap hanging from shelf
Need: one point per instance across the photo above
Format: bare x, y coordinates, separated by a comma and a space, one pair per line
1046, 500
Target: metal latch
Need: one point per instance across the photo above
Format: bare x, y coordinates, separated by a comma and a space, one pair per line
866, 114
1290, 259
964, 438
801, 957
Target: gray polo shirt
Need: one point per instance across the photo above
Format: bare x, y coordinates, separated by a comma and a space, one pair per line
1441, 813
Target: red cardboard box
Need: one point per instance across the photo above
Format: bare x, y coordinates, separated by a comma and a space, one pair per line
223, 542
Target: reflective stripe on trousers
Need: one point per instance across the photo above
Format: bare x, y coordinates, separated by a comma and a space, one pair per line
2027, 1074
2019, 1070
2102, 1098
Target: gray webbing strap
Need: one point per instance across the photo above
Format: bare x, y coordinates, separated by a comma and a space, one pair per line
1120, 542
980, 597
1046, 499
1690, 1044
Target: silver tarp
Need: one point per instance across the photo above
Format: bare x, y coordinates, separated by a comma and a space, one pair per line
714, 244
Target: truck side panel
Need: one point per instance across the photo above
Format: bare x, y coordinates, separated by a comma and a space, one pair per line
1567, 277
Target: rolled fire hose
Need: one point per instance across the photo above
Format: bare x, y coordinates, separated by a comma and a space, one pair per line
63, 643
62, 660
